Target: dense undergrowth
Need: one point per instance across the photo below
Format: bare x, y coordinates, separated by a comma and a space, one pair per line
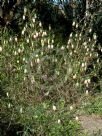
44, 82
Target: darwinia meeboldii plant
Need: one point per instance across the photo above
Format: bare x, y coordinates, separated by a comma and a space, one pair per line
42, 79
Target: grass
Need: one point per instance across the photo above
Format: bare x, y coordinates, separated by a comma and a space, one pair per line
94, 105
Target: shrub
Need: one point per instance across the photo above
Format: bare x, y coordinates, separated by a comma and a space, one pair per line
40, 77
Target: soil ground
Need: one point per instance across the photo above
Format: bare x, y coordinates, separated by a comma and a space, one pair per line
91, 124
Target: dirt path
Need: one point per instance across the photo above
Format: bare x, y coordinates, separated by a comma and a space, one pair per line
91, 124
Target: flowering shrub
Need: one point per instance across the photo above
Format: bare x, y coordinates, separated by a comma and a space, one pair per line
37, 73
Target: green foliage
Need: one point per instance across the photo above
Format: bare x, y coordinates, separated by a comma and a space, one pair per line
48, 121
94, 105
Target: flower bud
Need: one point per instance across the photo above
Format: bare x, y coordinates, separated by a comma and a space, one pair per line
0, 49
54, 107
